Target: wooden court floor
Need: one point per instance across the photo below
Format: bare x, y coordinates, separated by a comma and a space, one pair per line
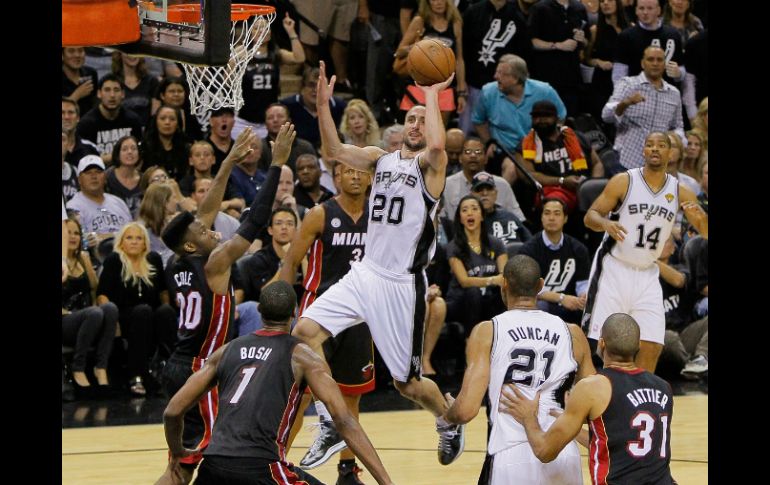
405, 440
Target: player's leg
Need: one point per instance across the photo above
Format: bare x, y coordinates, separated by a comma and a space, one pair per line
648, 355
307, 398
436, 317
605, 295
648, 312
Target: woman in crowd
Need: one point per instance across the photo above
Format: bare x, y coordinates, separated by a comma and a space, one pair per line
124, 175
678, 15
694, 155
476, 261
84, 324
173, 92
138, 85
132, 278
358, 125
165, 143
159, 205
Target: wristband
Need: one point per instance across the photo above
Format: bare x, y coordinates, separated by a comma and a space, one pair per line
561, 299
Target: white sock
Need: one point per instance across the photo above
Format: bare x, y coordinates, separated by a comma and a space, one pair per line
323, 413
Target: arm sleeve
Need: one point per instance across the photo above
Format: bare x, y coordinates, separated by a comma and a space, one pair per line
159, 280
110, 283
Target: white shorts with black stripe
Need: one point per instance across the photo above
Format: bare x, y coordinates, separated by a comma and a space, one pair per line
393, 305
518, 464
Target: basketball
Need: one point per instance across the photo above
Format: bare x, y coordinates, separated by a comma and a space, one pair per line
430, 62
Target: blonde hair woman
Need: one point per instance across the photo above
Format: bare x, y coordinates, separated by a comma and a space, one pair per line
132, 278
701, 121
359, 126
695, 155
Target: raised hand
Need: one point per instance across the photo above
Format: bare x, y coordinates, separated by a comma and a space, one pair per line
282, 145
242, 146
288, 24
325, 87
438, 86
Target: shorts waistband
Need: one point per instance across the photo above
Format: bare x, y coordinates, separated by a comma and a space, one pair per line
386, 273
633, 266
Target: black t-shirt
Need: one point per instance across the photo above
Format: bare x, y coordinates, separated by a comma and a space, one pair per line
219, 155
304, 199
128, 295
476, 265
305, 123
105, 133
677, 303
488, 34
257, 270
386, 8
299, 147
69, 185
132, 197
80, 150
697, 61
633, 40
68, 87
505, 226
549, 21
556, 161
76, 293
562, 268
261, 85
139, 99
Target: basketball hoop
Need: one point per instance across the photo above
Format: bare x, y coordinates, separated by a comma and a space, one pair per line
215, 87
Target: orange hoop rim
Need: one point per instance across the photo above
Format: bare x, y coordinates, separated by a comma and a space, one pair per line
191, 12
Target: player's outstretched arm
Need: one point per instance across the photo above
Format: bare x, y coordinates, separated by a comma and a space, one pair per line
610, 198
221, 259
318, 376
584, 401
476, 378
435, 134
311, 228
331, 146
210, 205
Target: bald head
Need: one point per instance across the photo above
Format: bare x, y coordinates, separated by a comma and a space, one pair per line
454, 144
522, 275
621, 336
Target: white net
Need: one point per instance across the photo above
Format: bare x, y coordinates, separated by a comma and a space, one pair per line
215, 87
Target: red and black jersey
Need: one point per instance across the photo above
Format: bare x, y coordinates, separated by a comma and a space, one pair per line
342, 242
258, 397
205, 318
631, 441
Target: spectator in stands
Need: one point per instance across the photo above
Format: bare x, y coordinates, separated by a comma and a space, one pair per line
101, 215
276, 115
696, 85
649, 31
77, 147
262, 80
701, 122
455, 139
83, 323
302, 111
201, 161
439, 20
246, 177
158, 207
132, 278
109, 121
675, 160
173, 92
69, 178
358, 125
477, 261
393, 138
124, 175
602, 51
564, 261
308, 190
78, 80
496, 28
165, 144
642, 104
222, 122
559, 31
678, 15
139, 85
383, 18
499, 223
473, 161
502, 116
557, 157
695, 155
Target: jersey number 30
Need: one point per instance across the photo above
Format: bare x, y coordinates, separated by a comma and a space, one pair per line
189, 309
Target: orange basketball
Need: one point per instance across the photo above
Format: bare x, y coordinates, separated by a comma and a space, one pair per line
430, 62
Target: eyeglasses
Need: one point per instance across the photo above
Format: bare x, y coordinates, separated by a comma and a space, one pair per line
159, 178
477, 151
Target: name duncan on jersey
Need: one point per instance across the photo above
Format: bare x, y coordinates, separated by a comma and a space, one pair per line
349, 239
533, 333
644, 395
389, 178
652, 210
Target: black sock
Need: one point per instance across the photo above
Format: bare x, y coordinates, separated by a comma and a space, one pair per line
348, 463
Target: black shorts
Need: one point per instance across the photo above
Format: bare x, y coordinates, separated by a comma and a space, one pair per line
199, 420
216, 470
351, 358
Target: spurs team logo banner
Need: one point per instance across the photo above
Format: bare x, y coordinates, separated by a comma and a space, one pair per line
494, 39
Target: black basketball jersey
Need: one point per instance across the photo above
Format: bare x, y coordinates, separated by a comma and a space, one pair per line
631, 441
205, 318
258, 397
261, 86
341, 243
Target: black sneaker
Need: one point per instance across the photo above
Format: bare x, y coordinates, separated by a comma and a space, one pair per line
348, 474
326, 444
451, 442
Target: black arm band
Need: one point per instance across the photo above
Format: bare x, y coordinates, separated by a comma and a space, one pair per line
259, 212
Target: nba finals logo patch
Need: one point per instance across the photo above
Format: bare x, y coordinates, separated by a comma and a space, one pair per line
337, 223
669, 197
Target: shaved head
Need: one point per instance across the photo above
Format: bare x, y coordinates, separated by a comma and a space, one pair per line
621, 335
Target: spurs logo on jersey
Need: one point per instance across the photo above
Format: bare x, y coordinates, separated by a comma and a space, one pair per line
401, 236
648, 217
532, 349
558, 278
669, 50
494, 39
